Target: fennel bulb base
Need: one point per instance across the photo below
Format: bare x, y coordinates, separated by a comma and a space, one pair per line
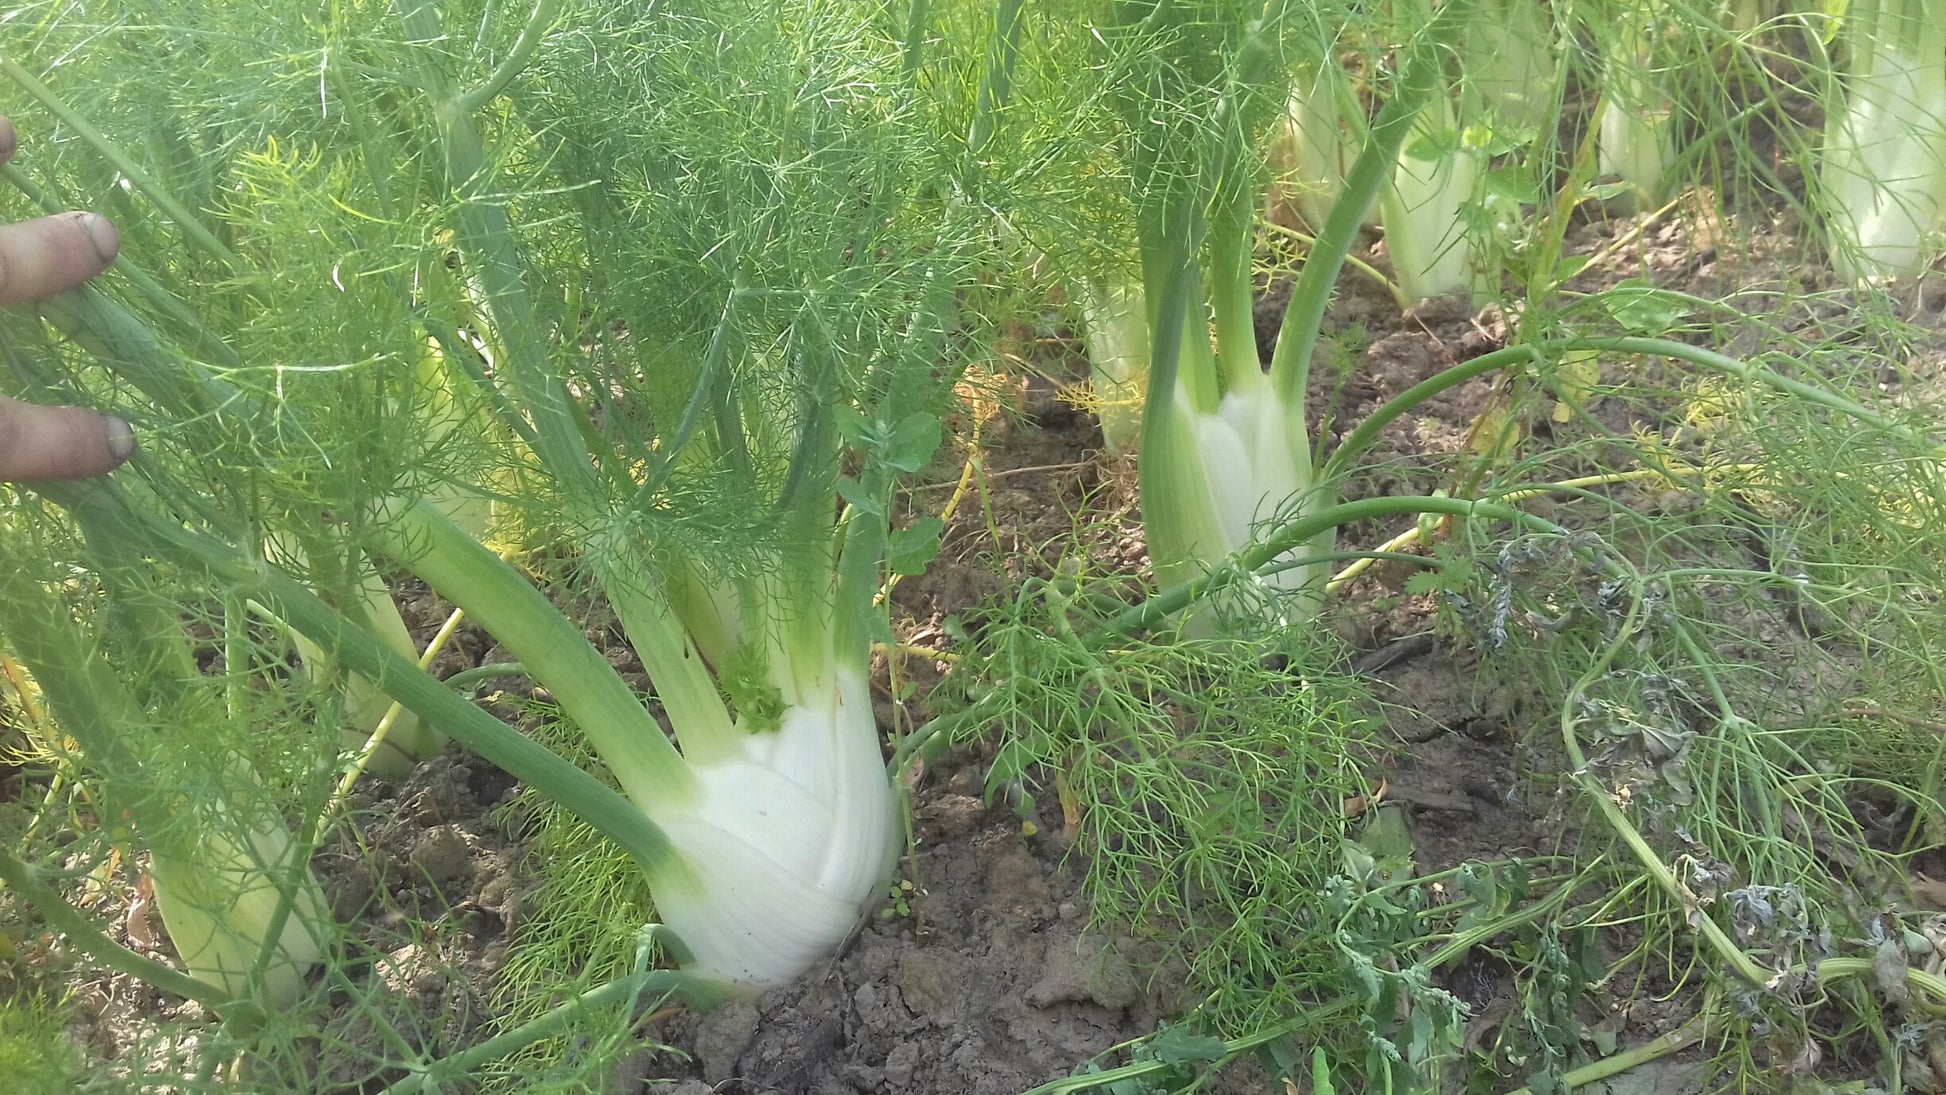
783, 849
218, 901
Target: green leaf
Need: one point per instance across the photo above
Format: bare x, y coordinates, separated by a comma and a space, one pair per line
1481, 138
1587, 956
1422, 582
912, 442
911, 548
1513, 184
855, 428
1418, 1035
1643, 309
1178, 1045
1387, 838
1513, 874
861, 498
874, 625
1280, 1057
1359, 864
1433, 147
1482, 885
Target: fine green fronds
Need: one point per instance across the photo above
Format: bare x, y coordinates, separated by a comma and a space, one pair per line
678, 296
35, 1052
581, 913
1204, 786
1726, 632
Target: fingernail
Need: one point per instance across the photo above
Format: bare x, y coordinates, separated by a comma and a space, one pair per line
121, 438
102, 235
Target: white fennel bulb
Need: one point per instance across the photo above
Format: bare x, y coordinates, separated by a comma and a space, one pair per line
781, 848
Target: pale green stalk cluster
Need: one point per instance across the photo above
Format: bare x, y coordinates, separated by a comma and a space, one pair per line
1654, 104
231, 881
1884, 162
1225, 447
1636, 134
446, 402
1500, 93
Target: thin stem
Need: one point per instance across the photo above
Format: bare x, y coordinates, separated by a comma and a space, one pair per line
707, 381
1750, 373
125, 346
683, 684
539, 21
1367, 432
1412, 535
484, 232
1232, 220
915, 37
1264, 552
1378, 276
384, 728
464, 571
997, 78
127, 269
1745, 966
1676, 1040
1544, 277
467, 678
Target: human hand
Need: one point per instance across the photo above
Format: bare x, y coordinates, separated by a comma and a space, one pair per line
38, 259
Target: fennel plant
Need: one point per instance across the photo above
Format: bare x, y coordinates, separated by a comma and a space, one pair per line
693, 292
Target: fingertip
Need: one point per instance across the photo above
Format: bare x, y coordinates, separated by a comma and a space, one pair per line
120, 437
39, 258
38, 442
9, 140
102, 235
